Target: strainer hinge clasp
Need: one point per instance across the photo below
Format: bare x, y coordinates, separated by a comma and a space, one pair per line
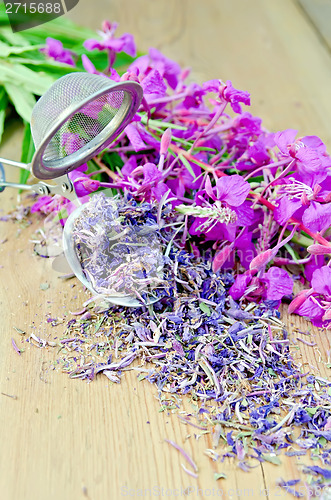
63, 187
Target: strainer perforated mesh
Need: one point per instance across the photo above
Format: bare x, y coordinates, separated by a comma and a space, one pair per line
84, 126
78, 117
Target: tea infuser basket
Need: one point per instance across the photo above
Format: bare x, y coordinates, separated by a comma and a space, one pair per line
78, 117
72, 258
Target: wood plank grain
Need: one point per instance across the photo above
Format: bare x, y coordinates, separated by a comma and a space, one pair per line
67, 439
319, 13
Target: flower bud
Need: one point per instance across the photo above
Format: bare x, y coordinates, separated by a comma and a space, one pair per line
281, 261
260, 261
165, 142
319, 249
221, 257
83, 184
299, 300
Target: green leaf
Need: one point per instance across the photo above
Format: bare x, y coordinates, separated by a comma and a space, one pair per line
3, 106
6, 50
204, 308
22, 99
113, 160
36, 83
187, 165
13, 38
219, 475
28, 150
312, 411
273, 459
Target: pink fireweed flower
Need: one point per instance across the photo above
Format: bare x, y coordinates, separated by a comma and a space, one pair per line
155, 60
309, 153
49, 204
82, 183
306, 201
229, 196
143, 182
124, 43
54, 50
272, 285
228, 93
317, 303
90, 68
184, 180
234, 97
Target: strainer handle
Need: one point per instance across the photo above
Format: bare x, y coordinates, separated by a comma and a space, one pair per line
64, 186
18, 164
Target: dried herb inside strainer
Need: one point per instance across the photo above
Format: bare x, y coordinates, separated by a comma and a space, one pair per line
119, 246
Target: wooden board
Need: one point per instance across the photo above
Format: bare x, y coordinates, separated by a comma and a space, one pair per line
319, 14
66, 439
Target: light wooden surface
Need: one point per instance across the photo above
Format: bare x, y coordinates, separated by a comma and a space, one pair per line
66, 439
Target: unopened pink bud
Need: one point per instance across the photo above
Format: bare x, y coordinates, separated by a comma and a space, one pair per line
281, 261
260, 261
221, 257
165, 142
298, 300
83, 184
319, 249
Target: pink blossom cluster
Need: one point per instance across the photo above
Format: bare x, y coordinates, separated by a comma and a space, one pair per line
254, 202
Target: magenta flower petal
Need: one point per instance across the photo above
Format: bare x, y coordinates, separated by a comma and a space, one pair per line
312, 141
151, 173
278, 283
134, 137
55, 50
321, 281
317, 217
309, 158
238, 288
245, 249
124, 43
159, 190
235, 96
92, 44
232, 189
310, 310
209, 189
246, 215
212, 86
285, 139
315, 262
83, 184
285, 209
129, 166
169, 69
88, 65
153, 83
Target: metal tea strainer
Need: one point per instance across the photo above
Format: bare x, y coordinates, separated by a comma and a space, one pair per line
78, 117
123, 251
